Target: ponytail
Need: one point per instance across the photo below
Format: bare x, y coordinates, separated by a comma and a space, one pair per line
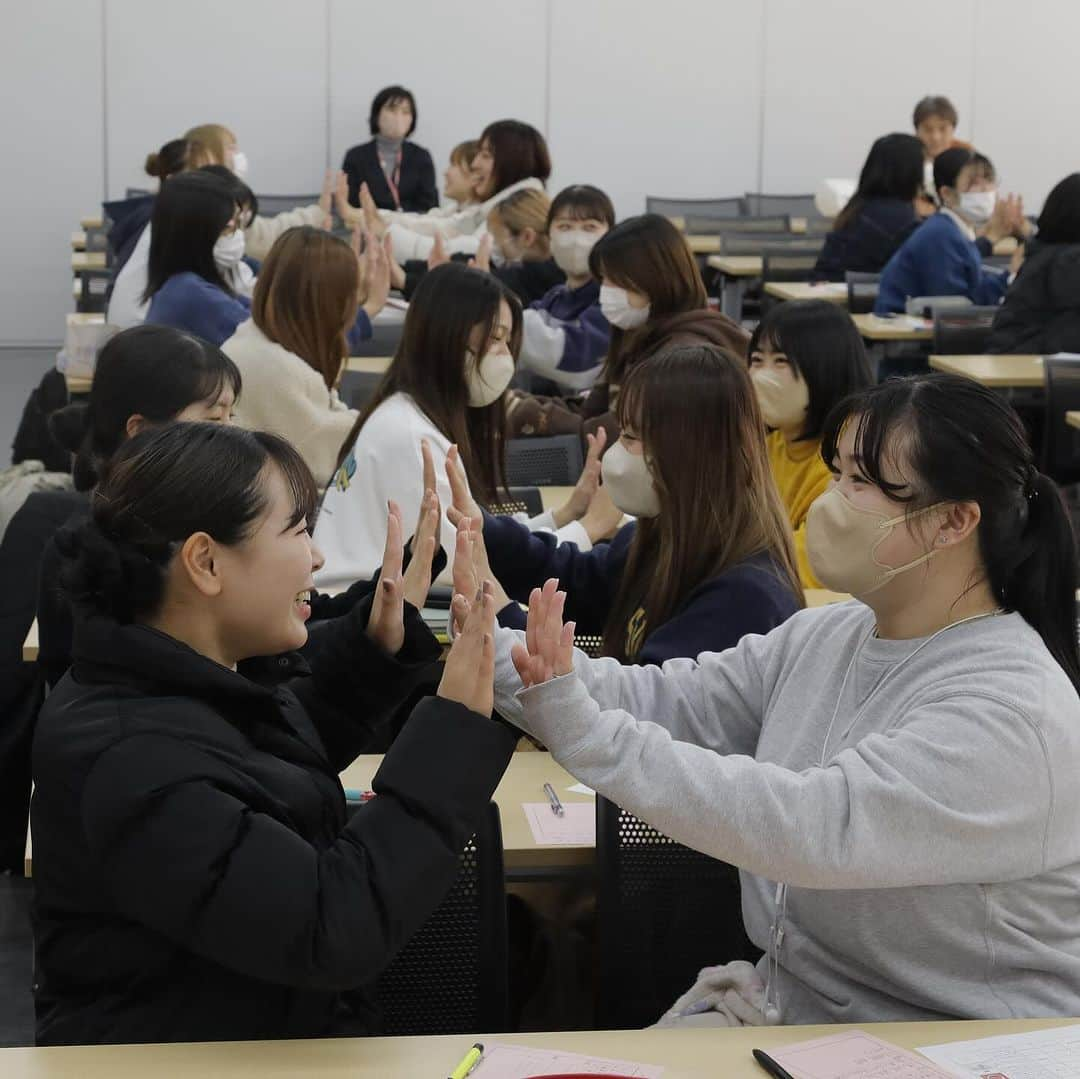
1037, 576
73, 427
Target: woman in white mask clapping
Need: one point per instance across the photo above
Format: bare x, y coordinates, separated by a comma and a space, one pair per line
445, 386
894, 776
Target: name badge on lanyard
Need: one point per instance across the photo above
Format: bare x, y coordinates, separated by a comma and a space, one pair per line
394, 180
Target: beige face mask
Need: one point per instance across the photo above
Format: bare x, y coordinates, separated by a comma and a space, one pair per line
842, 542
783, 401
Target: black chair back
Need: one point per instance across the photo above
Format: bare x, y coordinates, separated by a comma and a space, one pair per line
521, 500
664, 911
759, 205
733, 207
768, 243
714, 226
1061, 443
451, 978
555, 461
269, 205
862, 291
776, 266
964, 331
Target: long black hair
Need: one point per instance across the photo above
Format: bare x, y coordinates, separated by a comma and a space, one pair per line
151, 371
165, 485
964, 443
1059, 222
893, 170
823, 347
190, 212
243, 196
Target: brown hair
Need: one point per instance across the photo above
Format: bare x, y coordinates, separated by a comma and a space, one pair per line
209, 143
520, 153
172, 158
429, 366
647, 254
462, 154
695, 411
306, 297
935, 105
526, 210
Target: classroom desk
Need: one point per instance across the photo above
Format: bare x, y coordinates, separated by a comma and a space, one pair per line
704, 245
78, 241
1072, 419
1000, 372
873, 328
683, 1054
368, 365
87, 260
833, 291
92, 222
523, 782
734, 271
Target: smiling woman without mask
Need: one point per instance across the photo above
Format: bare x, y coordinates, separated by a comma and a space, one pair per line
930, 732
192, 582
805, 357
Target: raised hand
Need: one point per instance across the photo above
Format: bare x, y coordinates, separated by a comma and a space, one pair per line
386, 625
575, 507
548, 651
326, 198
376, 275
464, 505
438, 253
469, 673
603, 518
482, 259
372, 218
425, 542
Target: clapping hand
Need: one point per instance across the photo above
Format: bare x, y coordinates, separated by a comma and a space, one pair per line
469, 673
548, 651
386, 623
425, 541
482, 259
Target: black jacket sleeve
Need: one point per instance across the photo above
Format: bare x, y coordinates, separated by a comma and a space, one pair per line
193, 861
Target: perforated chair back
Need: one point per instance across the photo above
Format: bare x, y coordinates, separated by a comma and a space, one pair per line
591, 644
788, 267
1061, 443
520, 500
760, 205
269, 205
663, 912
862, 291
451, 978
544, 462
763, 243
716, 226
964, 331
732, 207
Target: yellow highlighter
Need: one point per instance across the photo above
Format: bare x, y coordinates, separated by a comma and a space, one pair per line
468, 1063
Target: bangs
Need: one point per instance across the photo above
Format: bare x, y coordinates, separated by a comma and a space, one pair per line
216, 376
303, 492
629, 408
582, 203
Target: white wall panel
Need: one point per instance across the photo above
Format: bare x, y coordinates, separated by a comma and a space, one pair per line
50, 127
256, 66
839, 73
658, 100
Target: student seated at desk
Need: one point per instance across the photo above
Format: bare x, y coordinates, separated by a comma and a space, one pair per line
903, 764
399, 174
520, 253
196, 877
513, 156
459, 186
565, 336
1041, 310
709, 557
943, 257
292, 350
881, 214
446, 385
146, 376
805, 357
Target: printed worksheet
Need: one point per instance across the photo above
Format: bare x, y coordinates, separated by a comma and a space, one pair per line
852, 1055
575, 828
1041, 1054
520, 1062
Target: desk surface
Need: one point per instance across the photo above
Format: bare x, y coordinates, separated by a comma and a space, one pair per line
900, 328
87, 260
997, 372
523, 782
684, 1054
78, 241
94, 221
1072, 419
834, 292
737, 265
368, 365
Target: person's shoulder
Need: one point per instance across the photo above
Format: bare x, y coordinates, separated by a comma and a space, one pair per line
888, 211
355, 153
411, 151
399, 421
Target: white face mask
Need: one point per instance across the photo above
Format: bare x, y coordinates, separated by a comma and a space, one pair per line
928, 177
570, 249
229, 250
615, 304
394, 126
488, 377
978, 206
629, 482
240, 163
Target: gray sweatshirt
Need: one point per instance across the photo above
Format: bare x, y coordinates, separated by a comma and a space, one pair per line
930, 840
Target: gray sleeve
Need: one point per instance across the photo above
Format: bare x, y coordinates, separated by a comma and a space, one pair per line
929, 803
714, 701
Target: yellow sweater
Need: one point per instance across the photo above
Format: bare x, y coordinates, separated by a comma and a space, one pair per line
801, 476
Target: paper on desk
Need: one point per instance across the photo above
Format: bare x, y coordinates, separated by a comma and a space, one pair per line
575, 828
852, 1055
580, 788
832, 288
519, 1062
1039, 1054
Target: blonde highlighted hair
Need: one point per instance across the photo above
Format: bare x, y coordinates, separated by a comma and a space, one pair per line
523, 210
209, 144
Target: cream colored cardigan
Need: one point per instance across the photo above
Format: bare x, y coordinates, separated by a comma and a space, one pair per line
285, 396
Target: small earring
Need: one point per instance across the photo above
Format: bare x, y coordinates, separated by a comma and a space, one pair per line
942, 539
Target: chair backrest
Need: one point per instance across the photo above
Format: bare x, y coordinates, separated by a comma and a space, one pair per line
777, 266
697, 225
1061, 443
862, 291
758, 205
137, 192
663, 912
269, 205
733, 207
451, 977
521, 500
768, 243
964, 331
544, 462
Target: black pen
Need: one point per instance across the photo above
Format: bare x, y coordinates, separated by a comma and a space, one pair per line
771, 1066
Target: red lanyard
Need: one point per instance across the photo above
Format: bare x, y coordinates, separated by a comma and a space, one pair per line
393, 181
